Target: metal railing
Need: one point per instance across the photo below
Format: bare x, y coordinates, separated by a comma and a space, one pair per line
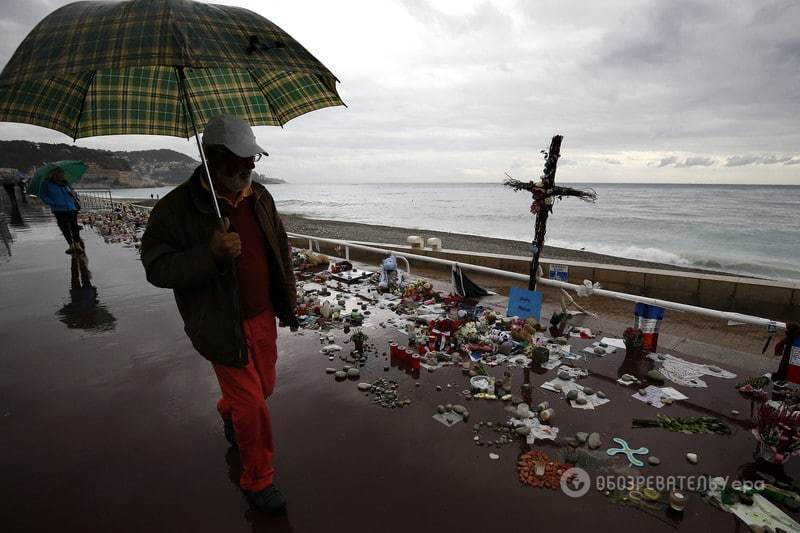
95, 199
724, 315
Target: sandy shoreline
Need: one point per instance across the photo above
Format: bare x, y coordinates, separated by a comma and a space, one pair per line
334, 229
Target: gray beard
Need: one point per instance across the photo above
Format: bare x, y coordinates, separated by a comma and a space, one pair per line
235, 183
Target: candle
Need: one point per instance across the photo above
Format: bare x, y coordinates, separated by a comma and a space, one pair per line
677, 500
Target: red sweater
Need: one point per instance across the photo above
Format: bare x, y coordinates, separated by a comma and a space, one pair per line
252, 266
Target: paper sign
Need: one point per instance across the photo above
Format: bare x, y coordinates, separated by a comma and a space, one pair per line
559, 272
523, 303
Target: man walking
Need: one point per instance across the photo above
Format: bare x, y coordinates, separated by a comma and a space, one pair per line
57, 193
230, 284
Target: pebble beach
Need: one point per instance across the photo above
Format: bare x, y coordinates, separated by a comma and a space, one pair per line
374, 233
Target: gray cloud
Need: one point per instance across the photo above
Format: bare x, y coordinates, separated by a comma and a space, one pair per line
764, 159
688, 162
670, 161
695, 161
468, 90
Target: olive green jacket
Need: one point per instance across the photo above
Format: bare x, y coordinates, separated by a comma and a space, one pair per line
176, 255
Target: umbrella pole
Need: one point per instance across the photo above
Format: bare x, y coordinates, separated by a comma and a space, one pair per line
185, 99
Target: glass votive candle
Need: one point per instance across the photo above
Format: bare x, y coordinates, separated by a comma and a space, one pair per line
393, 350
415, 360
677, 500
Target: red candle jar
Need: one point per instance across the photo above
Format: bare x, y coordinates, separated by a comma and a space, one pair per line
402, 353
393, 349
415, 361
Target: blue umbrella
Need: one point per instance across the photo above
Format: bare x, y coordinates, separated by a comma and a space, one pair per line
73, 171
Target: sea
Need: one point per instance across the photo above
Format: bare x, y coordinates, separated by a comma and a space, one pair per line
740, 229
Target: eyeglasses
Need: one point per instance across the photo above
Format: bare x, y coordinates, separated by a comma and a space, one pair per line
223, 151
252, 158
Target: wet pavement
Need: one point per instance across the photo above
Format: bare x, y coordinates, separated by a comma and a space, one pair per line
108, 422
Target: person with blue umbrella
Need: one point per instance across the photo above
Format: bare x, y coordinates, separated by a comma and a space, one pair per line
56, 191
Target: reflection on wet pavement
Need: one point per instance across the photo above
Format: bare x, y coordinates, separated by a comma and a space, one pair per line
84, 310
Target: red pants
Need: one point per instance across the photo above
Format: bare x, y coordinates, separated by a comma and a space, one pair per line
243, 393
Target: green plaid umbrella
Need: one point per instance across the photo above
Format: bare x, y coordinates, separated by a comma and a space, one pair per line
107, 68
159, 67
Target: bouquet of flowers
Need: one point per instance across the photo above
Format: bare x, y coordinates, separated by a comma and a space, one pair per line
633, 338
755, 387
419, 290
778, 432
467, 333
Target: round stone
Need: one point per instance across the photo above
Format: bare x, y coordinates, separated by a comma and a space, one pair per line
494, 456
655, 375
734, 412
460, 409
594, 441
330, 370
581, 437
692, 458
363, 386
440, 409
353, 373
581, 400
563, 375
600, 394
653, 460
522, 430
588, 391
572, 395
340, 374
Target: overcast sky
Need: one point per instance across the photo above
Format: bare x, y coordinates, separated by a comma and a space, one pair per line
645, 91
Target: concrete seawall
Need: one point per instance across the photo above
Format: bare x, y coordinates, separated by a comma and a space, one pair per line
778, 300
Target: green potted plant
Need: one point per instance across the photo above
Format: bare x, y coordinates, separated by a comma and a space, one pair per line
359, 338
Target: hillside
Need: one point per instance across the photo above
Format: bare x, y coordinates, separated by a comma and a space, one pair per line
113, 169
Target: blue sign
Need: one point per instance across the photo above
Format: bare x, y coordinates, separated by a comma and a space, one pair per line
558, 272
523, 303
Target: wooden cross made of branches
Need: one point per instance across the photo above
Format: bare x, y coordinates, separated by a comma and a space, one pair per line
545, 192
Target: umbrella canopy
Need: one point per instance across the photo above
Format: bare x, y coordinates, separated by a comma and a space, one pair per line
142, 66
73, 171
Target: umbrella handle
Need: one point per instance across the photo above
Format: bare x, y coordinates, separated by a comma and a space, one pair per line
188, 107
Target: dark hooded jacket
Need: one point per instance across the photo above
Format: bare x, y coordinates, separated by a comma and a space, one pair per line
176, 255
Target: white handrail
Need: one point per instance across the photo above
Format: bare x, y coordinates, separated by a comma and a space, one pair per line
724, 315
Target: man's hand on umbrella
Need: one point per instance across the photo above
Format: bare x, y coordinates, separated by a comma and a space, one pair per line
225, 245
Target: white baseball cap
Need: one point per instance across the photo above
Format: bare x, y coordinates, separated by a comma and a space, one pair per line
234, 134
